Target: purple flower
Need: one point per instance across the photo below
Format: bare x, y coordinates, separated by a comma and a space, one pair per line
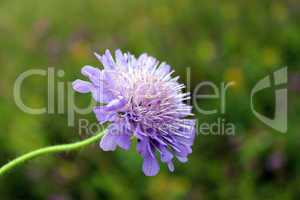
141, 100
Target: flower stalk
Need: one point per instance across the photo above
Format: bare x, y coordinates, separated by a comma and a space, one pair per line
51, 149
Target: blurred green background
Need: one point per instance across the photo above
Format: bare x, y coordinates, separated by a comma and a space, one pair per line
220, 41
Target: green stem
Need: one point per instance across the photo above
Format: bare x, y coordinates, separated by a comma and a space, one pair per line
51, 149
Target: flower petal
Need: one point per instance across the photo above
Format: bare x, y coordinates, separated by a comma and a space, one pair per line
118, 135
108, 142
81, 86
109, 59
182, 159
142, 146
116, 104
171, 166
150, 166
124, 141
94, 74
106, 60
101, 94
165, 154
103, 116
120, 59
182, 150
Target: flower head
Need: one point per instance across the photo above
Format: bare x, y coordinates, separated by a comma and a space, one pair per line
141, 100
